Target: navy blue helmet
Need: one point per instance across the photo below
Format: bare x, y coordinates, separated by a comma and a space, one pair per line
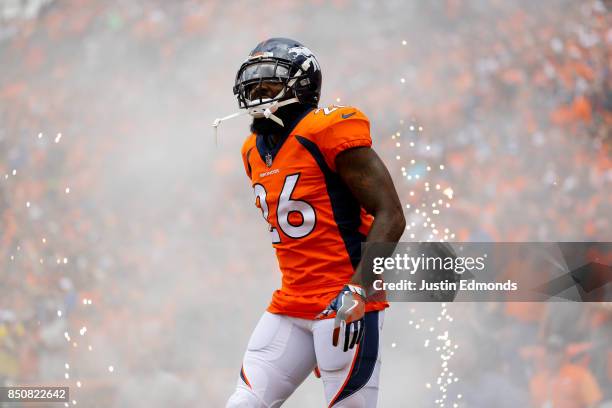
283, 61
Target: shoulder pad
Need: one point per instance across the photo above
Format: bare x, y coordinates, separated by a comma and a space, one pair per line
323, 118
247, 146
249, 142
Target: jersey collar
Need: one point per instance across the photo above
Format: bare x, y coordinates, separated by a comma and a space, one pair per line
268, 154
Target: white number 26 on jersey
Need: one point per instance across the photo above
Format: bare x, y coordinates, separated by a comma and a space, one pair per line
285, 207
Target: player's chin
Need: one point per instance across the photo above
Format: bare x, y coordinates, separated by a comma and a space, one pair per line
265, 126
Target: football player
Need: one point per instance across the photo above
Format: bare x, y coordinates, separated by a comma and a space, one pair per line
322, 191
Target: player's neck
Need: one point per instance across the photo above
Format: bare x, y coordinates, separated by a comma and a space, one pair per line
272, 140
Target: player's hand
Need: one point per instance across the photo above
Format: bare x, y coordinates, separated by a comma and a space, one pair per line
349, 306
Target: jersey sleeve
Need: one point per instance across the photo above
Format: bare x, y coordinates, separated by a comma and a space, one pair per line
348, 128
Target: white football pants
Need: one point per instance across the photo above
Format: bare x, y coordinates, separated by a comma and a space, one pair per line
284, 350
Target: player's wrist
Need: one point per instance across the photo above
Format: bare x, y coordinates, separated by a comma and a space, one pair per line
356, 289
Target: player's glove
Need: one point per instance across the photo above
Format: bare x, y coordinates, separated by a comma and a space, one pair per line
349, 306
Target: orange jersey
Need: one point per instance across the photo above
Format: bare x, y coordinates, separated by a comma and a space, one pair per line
316, 224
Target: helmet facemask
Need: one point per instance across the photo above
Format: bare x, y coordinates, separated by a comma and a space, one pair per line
258, 70
254, 73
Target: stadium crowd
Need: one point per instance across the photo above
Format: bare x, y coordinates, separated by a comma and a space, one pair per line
101, 231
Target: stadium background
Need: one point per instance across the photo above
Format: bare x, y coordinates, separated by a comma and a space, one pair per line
132, 261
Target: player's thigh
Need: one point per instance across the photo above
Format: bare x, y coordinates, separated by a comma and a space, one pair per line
350, 378
280, 355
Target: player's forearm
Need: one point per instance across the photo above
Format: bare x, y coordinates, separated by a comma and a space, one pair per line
387, 227
370, 182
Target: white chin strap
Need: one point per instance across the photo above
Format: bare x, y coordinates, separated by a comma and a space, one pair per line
265, 110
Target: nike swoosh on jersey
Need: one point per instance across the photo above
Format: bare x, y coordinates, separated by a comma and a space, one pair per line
347, 115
